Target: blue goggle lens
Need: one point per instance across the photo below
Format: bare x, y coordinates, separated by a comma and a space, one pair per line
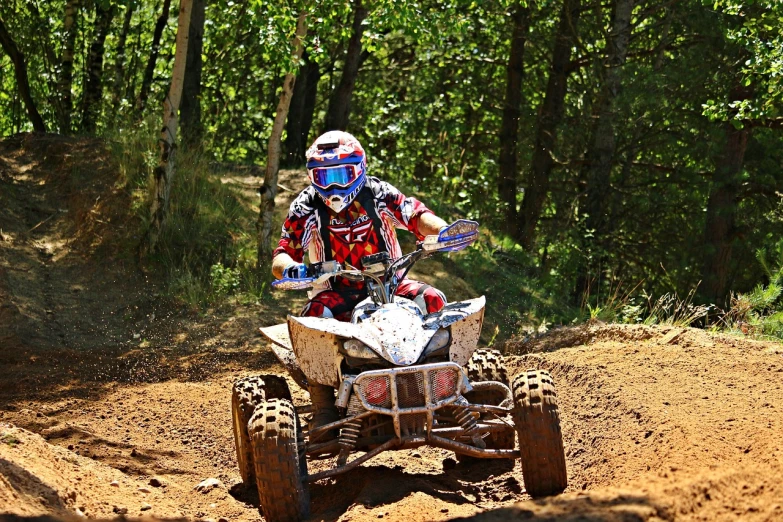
340, 175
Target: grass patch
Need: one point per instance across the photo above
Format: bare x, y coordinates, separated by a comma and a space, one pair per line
208, 245
759, 313
10, 439
206, 251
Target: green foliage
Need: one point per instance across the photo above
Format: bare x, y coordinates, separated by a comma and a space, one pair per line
428, 105
10, 439
223, 280
760, 311
756, 29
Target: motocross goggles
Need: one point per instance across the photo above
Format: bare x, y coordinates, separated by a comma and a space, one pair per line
340, 175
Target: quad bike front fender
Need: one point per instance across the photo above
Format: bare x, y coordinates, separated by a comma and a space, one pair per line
281, 347
465, 319
316, 350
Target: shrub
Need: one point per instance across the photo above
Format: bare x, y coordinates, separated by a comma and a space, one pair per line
760, 312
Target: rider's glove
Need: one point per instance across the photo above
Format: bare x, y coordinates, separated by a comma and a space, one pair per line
295, 271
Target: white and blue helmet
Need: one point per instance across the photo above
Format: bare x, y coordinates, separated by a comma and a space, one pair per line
337, 168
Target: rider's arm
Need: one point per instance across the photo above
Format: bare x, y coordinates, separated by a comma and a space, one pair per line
430, 224
293, 237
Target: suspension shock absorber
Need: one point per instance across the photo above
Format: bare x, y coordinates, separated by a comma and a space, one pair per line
468, 422
349, 432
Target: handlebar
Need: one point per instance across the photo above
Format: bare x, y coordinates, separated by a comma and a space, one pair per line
455, 237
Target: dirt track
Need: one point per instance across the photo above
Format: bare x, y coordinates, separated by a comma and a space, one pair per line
101, 390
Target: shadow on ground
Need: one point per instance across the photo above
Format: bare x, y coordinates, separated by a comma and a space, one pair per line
588, 507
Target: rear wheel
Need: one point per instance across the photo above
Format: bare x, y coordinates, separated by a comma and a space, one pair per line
246, 395
280, 466
488, 365
537, 420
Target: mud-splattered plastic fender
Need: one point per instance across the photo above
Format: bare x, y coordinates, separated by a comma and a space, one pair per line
465, 319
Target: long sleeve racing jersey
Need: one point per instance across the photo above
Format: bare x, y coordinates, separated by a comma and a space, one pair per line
366, 226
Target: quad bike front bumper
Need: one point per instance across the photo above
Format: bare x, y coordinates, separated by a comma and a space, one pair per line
426, 405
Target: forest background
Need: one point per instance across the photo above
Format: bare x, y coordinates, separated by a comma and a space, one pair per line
624, 157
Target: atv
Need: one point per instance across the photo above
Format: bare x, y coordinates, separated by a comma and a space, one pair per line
404, 379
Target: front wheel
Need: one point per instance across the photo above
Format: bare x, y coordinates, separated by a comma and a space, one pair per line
537, 421
280, 462
246, 395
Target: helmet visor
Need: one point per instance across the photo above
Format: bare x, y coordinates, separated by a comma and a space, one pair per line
340, 175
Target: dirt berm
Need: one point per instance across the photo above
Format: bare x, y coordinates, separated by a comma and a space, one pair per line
114, 405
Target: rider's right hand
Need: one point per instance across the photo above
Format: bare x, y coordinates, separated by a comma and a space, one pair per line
295, 271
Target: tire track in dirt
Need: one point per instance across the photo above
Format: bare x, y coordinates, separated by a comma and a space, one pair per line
673, 459
689, 423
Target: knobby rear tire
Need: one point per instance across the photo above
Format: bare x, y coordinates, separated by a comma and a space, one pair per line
537, 421
246, 395
488, 365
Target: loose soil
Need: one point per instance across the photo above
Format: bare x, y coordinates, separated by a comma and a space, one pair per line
114, 403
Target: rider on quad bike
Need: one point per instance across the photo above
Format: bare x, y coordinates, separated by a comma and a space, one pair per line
406, 365
343, 216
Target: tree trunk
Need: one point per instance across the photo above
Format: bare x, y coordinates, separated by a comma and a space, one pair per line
93, 87
164, 172
300, 114
719, 231
639, 128
268, 190
600, 156
70, 26
50, 61
149, 72
340, 103
135, 62
119, 64
311, 96
192, 129
546, 136
22, 82
509, 127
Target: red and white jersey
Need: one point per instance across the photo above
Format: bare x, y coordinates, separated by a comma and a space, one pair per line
354, 232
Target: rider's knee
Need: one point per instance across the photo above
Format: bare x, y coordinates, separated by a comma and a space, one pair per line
316, 309
433, 299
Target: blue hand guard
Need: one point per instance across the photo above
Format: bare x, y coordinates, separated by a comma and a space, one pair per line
458, 235
293, 284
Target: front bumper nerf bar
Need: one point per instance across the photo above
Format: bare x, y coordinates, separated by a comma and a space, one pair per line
440, 437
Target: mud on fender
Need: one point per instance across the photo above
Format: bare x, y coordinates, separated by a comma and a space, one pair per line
465, 319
